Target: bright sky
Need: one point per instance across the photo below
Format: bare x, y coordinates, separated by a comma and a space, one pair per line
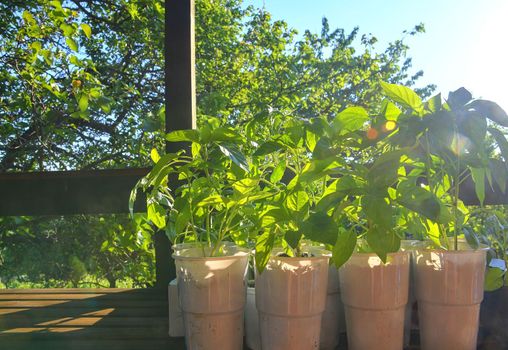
465, 44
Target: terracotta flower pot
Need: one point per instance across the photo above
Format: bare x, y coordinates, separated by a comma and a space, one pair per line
212, 293
449, 290
375, 297
290, 299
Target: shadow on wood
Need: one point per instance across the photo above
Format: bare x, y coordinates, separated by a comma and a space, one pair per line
82, 319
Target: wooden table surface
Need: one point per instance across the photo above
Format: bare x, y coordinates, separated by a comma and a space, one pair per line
86, 319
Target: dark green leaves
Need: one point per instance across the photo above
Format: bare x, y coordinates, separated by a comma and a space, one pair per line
319, 227
490, 110
344, 247
382, 241
478, 175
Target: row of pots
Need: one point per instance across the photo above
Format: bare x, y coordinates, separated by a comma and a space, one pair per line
291, 296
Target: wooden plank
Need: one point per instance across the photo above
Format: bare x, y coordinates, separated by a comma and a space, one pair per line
24, 320
100, 332
95, 344
69, 303
69, 192
81, 291
160, 311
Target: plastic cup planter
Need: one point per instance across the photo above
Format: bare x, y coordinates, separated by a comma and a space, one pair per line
333, 323
290, 299
211, 292
375, 297
449, 290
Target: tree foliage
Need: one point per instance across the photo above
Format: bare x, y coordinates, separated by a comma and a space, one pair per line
82, 87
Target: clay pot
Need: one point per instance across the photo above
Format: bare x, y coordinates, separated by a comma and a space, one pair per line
375, 296
290, 299
449, 290
212, 292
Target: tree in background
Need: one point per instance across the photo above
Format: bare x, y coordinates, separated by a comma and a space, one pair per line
82, 87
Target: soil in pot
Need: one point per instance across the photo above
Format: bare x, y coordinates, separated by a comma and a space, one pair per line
449, 290
375, 296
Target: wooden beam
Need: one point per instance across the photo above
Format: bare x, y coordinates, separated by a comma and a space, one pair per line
180, 94
69, 192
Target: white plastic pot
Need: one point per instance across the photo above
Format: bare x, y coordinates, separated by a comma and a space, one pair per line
252, 337
176, 326
212, 293
375, 297
290, 298
410, 246
333, 321
449, 290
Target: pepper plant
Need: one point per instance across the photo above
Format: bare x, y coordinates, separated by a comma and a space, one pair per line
445, 145
204, 195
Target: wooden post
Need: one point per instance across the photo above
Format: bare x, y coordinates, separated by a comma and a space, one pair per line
180, 99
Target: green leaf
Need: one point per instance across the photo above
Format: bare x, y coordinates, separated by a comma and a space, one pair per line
293, 238
474, 127
434, 103
471, 238
29, 19
350, 119
297, 201
233, 152
278, 172
501, 141
72, 44
458, 98
183, 136
155, 155
156, 214
382, 241
87, 30
264, 246
344, 247
419, 200
403, 95
83, 103
478, 175
267, 148
499, 171
390, 111
321, 228
67, 29
494, 279
36, 46
490, 110
378, 210
210, 200
384, 171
